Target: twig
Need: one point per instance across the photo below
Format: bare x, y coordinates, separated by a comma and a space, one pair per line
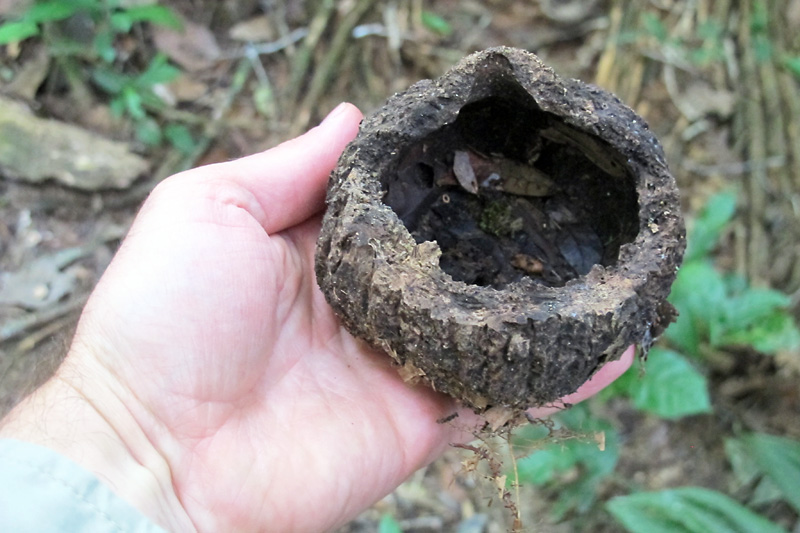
755, 135
13, 328
302, 58
330, 62
269, 48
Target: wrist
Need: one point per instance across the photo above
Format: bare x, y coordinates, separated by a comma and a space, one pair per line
85, 416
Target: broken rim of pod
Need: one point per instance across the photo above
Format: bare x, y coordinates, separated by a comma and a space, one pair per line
502, 232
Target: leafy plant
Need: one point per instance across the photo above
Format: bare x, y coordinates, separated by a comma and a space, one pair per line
557, 461
776, 460
719, 310
132, 93
669, 387
686, 509
110, 17
716, 311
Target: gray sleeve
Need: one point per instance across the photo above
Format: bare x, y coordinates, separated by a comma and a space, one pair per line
42, 491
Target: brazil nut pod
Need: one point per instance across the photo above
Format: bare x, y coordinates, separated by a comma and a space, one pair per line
502, 232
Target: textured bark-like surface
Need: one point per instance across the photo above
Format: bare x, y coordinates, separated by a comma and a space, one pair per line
502, 232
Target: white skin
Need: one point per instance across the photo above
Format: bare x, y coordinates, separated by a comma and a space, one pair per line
209, 382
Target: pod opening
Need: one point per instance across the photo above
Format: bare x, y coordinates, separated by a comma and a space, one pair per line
509, 191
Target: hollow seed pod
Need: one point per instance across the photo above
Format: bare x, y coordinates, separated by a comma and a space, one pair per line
502, 232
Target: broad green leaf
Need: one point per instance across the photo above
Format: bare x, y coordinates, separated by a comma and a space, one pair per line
671, 387
133, 103
109, 80
753, 305
436, 23
747, 472
12, 32
158, 71
700, 295
52, 11
388, 524
161, 15
121, 22
773, 334
583, 454
689, 510
541, 466
708, 226
779, 458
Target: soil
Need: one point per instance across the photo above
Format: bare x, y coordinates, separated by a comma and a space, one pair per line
725, 116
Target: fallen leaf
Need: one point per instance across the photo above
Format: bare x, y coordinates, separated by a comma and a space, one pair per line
193, 47
255, 30
462, 168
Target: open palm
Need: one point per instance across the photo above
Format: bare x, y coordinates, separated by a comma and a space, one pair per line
210, 327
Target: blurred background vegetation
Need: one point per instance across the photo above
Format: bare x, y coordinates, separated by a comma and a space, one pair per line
704, 436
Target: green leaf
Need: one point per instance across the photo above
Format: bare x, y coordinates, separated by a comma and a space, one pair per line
436, 23
161, 15
700, 295
708, 226
779, 458
776, 333
12, 32
158, 71
689, 510
388, 524
671, 387
121, 22
582, 454
133, 103
752, 306
747, 472
51, 11
179, 136
109, 80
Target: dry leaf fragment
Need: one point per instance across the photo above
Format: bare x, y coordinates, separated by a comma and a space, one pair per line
257, 29
528, 264
193, 47
465, 175
600, 439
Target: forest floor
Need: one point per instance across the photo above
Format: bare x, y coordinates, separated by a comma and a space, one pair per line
244, 75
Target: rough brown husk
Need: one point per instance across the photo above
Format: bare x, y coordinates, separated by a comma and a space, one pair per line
522, 337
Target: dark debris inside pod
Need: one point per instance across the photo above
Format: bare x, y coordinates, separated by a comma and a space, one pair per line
509, 190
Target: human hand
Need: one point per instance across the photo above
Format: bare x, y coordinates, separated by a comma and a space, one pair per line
209, 382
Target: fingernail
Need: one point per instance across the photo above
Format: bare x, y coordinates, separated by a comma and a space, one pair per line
338, 110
